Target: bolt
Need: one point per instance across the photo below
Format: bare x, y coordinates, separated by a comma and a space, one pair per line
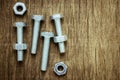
20, 46
47, 36
56, 18
37, 19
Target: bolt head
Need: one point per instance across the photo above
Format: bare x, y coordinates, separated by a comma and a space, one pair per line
16, 11
38, 17
20, 24
47, 34
56, 16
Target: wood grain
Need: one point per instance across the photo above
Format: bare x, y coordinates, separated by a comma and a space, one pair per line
92, 49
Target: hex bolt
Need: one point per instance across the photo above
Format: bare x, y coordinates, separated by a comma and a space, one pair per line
20, 46
56, 18
46, 46
37, 19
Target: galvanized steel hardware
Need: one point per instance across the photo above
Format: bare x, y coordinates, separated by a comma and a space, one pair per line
19, 8
46, 46
37, 19
60, 72
20, 46
59, 38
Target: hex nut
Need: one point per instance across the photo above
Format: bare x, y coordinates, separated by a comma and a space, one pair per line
58, 39
23, 8
60, 72
20, 46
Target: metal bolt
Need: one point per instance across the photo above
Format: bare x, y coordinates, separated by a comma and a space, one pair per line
20, 46
45, 53
56, 18
37, 19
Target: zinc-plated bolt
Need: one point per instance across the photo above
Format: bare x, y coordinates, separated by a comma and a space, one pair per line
56, 18
37, 19
45, 53
20, 46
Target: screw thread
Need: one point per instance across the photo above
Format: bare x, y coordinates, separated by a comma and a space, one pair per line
20, 56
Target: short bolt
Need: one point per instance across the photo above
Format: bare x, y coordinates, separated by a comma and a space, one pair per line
46, 46
20, 46
37, 19
56, 18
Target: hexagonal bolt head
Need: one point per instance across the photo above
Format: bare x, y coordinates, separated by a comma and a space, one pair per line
47, 34
17, 6
20, 24
37, 17
55, 16
60, 72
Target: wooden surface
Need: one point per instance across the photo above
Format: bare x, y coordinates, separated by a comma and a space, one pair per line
92, 49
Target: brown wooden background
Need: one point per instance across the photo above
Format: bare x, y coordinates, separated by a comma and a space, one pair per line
92, 49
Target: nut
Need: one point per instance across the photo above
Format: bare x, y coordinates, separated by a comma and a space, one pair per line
22, 8
60, 72
20, 46
59, 39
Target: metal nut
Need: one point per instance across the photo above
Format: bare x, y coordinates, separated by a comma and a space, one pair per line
60, 72
58, 39
20, 46
22, 6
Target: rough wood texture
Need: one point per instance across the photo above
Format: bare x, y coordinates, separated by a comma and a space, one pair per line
92, 49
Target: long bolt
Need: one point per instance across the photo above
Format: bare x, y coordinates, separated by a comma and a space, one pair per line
20, 26
56, 18
46, 46
37, 19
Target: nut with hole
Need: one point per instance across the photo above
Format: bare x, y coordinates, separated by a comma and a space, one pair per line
19, 8
61, 71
